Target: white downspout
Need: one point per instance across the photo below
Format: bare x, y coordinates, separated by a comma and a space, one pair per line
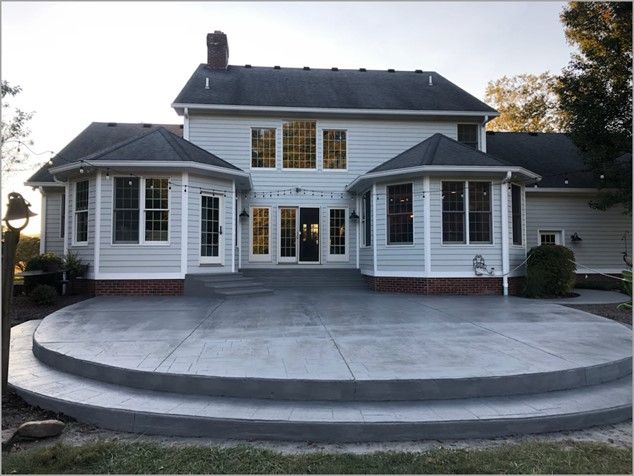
186, 124
66, 217
239, 237
233, 227
374, 261
97, 224
358, 226
505, 232
43, 223
483, 135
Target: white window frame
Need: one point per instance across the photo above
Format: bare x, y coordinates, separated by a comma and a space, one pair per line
345, 256
142, 210
317, 146
76, 212
468, 241
321, 134
387, 225
559, 235
252, 257
220, 259
251, 148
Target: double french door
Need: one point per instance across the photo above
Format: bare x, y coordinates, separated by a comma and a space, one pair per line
211, 237
299, 235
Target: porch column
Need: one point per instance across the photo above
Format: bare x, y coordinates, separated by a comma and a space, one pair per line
505, 233
97, 223
427, 223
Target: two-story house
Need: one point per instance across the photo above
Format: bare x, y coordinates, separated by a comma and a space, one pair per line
386, 172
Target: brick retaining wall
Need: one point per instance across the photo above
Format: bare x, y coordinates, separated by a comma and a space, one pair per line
456, 286
139, 287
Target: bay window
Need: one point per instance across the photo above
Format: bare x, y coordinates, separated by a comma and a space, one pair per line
466, 212
400, 217
81, 212
479, 212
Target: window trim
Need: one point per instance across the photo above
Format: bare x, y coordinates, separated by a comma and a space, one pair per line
266, 257
562, 235
317, 143
251, 148
346, 256
468, 241
387, 222
364, 219
322, 130
75, 242
478, 134
142, 241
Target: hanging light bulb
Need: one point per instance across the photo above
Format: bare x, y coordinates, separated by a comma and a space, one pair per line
81, 169
602, 176
107, 174
130, 182
566, 181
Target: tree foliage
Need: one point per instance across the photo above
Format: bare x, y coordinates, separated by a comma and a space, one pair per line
526, 102
28, 247
14, 128
595, 92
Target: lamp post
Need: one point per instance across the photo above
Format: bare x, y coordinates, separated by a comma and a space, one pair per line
16, 219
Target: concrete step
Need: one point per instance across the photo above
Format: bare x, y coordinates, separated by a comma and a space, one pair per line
243, 283
245, 291
123, 408
222, 285
285, 278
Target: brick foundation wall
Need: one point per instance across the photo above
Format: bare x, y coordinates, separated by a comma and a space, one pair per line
455, 286
592, 280
139, 287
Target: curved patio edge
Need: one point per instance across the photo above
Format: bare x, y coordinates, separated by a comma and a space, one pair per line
337, 390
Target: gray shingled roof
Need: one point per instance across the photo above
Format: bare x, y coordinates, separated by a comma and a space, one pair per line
96, 137
324, 88
439, 150
552, 155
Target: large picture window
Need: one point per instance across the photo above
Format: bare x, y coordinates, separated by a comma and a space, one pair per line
468, 135
263, 147
337, 230
516, 211
400, 219
81, 212
457, 199
260, 232
299, 145
335, 149
140, 201
366, 218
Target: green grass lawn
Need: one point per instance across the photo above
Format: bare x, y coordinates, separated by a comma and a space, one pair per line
113, 457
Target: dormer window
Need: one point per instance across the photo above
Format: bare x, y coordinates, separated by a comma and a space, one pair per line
299, 145
468, 135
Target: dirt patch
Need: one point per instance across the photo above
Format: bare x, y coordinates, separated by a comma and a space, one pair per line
611, 311
23, 309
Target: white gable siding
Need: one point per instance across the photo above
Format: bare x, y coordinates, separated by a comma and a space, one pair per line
601, 231
53, 241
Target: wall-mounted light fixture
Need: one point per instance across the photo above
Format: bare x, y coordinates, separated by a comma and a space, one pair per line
243, 214
354, 216
575, 237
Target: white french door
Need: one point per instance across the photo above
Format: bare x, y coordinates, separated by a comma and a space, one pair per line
288, 231
211, 222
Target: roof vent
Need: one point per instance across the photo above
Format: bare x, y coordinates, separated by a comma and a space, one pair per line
112, 124
419, 71
277, 67
247, 65
334, 69
363, 70
532, 134
391, 70
431, 81
146, 125
206, 83
306, 68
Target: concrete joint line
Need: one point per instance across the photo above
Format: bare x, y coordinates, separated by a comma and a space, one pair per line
334, 342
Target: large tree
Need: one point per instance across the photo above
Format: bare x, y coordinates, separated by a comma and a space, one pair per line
14, 130
595, 93
526, 102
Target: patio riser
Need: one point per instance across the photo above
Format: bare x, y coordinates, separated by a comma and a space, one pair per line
338, 390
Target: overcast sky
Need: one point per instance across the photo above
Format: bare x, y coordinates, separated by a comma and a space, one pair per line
79, 62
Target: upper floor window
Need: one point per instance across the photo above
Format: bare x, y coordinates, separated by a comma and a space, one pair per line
516, 211
335, 149
400, 219
139, 201
457, 198
468, 134
81, 212
299, 145
263, 147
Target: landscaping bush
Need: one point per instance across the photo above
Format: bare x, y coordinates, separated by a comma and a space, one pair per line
550, 271
627, 287
74, 266
43, 294
45, 262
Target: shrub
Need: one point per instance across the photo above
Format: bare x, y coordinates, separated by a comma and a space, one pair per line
28, 247
45, 262
550, 271
74, 266
627, 287
43, 294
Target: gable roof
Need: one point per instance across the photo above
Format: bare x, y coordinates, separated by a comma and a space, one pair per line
325, 88
439, 150
94, 138
552, 155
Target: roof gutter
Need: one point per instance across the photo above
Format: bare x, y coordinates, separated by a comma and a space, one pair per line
440, 168
44, 184
327, 110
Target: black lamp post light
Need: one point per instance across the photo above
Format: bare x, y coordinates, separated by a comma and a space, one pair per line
16, 220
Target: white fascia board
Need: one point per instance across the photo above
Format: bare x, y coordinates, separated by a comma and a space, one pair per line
180, 108
146, 164
44, 184
441, 168
565, 190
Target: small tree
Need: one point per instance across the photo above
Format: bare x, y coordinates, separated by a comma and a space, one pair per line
14, 129
28, 247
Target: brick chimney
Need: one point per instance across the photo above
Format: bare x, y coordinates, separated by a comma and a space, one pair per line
217, 50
